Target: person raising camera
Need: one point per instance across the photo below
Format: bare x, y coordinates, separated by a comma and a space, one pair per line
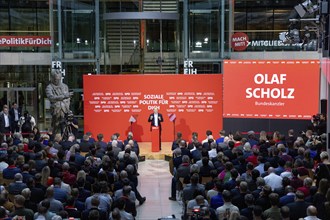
319, 123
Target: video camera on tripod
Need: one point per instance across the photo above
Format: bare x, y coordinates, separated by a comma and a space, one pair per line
69, 117
67, 124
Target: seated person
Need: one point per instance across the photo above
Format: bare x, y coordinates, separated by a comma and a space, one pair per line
198, 203
133, 143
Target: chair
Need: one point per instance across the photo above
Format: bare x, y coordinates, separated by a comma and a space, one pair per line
6, 182
1, 178
180, 186
183, 185
206, 179
311, 173
11, 197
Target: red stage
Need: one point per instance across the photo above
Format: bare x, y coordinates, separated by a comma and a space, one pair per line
111, 100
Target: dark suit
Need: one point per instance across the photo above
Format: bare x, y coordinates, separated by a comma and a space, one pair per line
297, 209
14, 123
85, 146
4, 129
152, 121
284, 200
152, 124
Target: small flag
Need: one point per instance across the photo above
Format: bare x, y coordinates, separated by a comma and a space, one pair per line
172, 116
132, 119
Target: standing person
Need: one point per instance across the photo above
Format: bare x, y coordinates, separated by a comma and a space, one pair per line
5, 121
59, 97
155, 120
27, 122
36, 133
15, 114
221, 139
323, 168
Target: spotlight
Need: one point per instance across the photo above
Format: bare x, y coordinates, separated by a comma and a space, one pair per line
198, 44
306, 8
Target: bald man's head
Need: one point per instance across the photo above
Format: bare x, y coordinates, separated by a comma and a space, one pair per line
311, 211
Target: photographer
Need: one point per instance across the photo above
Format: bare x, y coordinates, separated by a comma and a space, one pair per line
69, 125
198, 208
319, 123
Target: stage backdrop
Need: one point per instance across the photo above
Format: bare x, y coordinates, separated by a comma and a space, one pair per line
271, 89
111, 101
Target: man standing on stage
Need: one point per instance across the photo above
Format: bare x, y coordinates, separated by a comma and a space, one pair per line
155, 120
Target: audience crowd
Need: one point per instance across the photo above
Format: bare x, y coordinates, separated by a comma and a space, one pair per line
46, 178
265, 176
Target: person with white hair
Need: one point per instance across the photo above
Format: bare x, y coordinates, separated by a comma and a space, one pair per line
322, 170
134, 147
308, 182
115, 148
130, 140
17, 186
128, 149
213, 152
247, 150
28, 203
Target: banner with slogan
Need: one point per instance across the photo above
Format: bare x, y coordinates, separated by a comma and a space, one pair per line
271, 89
25, 41
112, 103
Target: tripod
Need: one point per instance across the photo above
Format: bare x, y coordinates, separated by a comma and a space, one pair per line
67, 130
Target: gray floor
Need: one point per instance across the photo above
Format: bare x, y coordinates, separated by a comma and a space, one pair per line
155, 184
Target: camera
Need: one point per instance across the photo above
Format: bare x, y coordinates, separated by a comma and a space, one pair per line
69, 117
316, 137
316, 118
200, 212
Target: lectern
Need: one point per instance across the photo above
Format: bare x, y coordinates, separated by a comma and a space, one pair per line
155, 140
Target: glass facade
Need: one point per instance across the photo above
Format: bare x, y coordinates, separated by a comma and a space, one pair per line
78, 29
263, 21
131, 36
24, 18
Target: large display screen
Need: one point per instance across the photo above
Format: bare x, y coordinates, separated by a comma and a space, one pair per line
271, 89
112, 102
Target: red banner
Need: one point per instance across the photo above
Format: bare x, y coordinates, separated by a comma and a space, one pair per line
193, 102
25, 41
271, 89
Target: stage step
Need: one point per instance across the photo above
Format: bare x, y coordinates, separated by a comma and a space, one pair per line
164, 154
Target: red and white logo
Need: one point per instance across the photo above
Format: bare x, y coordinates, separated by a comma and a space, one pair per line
239, 41
25, 41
